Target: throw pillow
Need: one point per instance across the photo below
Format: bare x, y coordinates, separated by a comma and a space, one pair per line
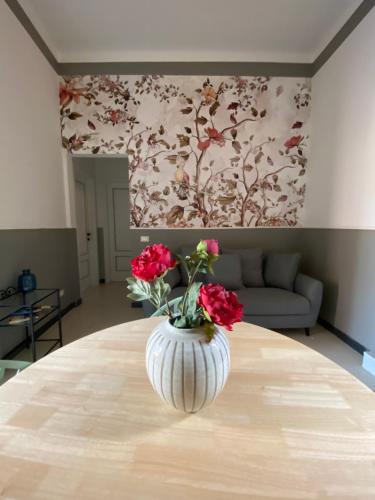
173, 277
281, 270
252, 266
227, 272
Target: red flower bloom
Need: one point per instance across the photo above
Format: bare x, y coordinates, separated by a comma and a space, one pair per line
221, 305
212, 246
202, 145
68, 93
293, 142
215, 136
153, 262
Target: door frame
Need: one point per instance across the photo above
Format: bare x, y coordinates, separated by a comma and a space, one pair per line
69, 193
84, 281
112, 234
90, 195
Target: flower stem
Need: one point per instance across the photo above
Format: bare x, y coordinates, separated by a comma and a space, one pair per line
191, 280
168, 308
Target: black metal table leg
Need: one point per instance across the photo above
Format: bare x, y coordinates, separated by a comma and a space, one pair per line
59, 317
27, 340
32, 335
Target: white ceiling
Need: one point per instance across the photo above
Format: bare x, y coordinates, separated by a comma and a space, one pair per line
188, 30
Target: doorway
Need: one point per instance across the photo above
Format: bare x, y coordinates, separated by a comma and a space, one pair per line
101, 197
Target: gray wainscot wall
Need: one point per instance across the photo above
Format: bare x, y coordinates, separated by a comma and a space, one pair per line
343, 259
51, 254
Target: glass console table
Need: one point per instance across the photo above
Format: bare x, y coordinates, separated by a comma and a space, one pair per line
30, 309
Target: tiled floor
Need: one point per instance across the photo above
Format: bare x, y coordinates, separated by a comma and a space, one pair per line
107, 305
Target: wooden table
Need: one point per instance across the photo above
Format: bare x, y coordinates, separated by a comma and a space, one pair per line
84, 422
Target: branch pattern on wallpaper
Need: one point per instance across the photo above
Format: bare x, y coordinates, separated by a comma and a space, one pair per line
203, 152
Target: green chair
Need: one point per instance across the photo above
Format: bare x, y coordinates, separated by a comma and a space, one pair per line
11, 364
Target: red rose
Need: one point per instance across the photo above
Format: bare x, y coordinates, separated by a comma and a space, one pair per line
212, 246
153, 262
293, 141
221, 305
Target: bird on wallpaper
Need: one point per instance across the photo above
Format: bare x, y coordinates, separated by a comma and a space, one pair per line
181, 175
175, 214
182, 178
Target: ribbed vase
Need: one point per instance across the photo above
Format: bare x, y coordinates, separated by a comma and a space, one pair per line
184, 369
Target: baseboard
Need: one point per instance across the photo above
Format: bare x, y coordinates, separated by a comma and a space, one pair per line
42, 329
343, 336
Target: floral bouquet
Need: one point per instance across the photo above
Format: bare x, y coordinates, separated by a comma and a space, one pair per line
202, 305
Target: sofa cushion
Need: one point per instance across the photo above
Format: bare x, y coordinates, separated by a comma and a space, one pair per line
272, 302
280, 270
173, 277
227, 272
252, 265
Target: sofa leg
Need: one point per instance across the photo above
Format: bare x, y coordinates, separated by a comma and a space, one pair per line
307, 331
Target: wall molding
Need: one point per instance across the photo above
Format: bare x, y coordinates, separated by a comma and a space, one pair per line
194, 68
358, 15
22, 17
188, 68
343, 336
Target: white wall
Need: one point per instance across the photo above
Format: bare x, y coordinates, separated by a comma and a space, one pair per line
31, 174
341, 185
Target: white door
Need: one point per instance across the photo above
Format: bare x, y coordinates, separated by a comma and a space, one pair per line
83, 236
119, 231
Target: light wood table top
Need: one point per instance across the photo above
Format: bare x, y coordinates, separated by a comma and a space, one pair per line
84, 423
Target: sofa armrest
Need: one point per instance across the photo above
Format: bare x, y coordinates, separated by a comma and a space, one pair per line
312, 289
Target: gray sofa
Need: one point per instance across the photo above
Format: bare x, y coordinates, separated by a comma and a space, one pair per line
272, 290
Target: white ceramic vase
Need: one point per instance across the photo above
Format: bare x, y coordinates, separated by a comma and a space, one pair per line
185, 369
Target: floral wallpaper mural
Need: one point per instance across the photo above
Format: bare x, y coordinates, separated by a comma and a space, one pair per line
203, 151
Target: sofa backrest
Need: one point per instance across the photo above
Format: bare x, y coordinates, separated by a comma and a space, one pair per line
246, 267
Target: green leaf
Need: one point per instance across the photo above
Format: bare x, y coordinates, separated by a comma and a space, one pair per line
180, 322
159, 290
192, 298
174, 303
211, 259
139, 290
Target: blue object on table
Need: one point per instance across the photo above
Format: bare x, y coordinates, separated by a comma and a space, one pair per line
26, 281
